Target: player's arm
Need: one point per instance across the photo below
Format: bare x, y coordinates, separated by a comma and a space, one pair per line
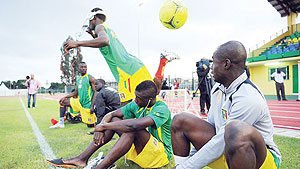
92, 83
127, 125
75, 93
100, 41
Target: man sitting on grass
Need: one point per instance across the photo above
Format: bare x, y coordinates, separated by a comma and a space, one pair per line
149, 148
239, 130
85, 89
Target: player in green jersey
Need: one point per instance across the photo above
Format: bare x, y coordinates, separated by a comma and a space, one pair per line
143, 126
85, 89
127, 69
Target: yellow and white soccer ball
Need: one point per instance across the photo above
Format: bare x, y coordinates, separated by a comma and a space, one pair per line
173, 14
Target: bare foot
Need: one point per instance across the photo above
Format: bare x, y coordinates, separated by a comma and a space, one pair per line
75, 161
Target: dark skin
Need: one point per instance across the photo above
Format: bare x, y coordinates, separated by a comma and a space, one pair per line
100, 37
129, 130
244, 146
65, 101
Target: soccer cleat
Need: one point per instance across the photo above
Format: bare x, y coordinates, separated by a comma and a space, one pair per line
170, 56
57, 125
95, 161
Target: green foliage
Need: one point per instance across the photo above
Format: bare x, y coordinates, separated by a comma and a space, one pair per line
57, 86
19, 84
69, 63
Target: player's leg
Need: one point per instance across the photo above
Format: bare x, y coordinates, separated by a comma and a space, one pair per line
138, 138
62, 110
159, 75
244, 146
187, 128
82, 159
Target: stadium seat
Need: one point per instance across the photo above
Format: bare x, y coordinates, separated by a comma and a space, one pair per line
286, 50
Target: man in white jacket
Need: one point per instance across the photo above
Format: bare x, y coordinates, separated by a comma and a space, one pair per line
239, 131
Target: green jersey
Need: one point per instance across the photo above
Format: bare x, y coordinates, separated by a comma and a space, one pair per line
85, 92
161, 116
117, 58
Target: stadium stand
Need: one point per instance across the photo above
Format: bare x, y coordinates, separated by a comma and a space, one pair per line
288, 46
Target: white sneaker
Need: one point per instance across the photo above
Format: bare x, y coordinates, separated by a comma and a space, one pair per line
169, 55
95, 161
57, 125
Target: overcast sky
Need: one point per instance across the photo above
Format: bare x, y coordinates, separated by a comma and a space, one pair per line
33, 31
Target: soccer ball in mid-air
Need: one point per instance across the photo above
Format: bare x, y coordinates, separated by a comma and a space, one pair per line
173, 14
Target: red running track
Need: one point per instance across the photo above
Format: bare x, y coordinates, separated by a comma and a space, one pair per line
285, 114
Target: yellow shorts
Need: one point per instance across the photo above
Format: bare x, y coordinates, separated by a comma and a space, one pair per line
152, 156
86, 116
221, 163
127, 83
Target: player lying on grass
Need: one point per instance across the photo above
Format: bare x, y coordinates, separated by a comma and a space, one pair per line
127, 69
85, 89
144, 129
239, 131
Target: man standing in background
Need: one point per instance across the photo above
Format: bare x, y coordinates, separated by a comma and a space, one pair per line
278, 78
33, 86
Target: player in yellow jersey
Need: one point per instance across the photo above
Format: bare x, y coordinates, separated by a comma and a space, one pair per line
127, 69
85, 89
144, 129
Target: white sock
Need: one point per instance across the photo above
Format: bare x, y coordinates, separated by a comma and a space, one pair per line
61, 120
179, 160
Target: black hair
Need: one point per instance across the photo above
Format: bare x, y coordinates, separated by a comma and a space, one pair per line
101, 81
82, 62
147, 85
100, 16
73, 90
27, 77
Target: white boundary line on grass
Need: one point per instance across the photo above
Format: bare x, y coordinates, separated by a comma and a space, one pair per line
45, 148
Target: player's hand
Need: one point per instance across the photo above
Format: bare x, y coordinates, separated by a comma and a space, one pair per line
98, 138
71, 44
92, 110
61, 101
99, 128
89, 31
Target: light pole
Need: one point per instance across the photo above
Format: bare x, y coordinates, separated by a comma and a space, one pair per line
138, 35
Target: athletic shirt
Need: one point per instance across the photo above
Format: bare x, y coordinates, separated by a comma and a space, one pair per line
161, 116
118, 59
242, 100
85, 92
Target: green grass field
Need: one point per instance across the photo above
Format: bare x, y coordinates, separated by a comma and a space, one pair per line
20, 149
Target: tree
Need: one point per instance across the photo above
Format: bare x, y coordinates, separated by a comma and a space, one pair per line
19, 84
69, 64
57, 86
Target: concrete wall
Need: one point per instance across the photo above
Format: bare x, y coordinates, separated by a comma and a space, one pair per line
259, 75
